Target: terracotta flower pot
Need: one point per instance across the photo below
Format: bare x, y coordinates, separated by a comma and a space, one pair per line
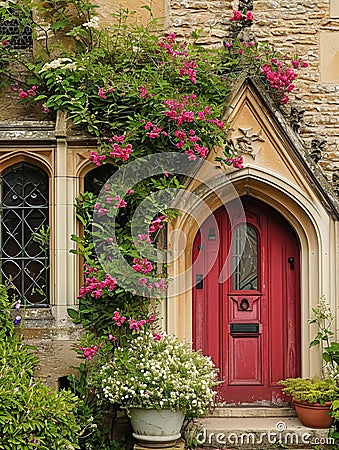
313, 415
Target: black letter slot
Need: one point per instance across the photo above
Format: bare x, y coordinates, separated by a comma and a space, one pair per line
248, 328
199, 281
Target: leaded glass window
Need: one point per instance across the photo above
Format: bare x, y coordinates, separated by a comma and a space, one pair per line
24, 211
18, 29
244, 258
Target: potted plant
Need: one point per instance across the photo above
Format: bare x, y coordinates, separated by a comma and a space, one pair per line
312, 399
158, 378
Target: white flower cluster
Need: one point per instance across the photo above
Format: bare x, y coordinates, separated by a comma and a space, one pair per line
160, 374
93, 23
64, 63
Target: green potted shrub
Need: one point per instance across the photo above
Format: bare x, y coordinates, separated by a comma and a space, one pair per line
158, 378
312, 399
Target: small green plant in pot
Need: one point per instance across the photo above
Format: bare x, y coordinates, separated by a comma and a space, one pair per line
313, 398
313, 390
158, 376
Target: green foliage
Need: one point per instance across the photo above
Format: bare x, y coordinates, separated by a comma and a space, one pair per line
323, 318
31, 415
98, 418
42, 237
313, 390
7, 326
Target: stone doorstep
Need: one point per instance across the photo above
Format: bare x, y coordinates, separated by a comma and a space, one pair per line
252, 411
259, 433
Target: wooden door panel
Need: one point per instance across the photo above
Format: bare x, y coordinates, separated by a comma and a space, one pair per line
245, 368
250, 326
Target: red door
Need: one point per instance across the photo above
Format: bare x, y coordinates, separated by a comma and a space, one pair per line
250, 322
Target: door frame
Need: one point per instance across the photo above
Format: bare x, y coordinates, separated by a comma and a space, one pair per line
314, 228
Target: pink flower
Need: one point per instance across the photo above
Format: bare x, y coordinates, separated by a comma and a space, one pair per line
189, 69
238, 163
121, 203
156, 224
171, 37
102, 212
143, 92
4, 42
228, 44
136, 324
295, 63
142, 265
119, 139
96, 158
45, 109
249, 16
284, 100
120, 152
155, 132
94, 287
161, 284
219, 123
236, 15
32, 92
118, 319
89, 352
148, 125
22, 93
101, 93
166, 173
143, 281
157, 336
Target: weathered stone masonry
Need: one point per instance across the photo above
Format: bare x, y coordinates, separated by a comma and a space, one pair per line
305, 28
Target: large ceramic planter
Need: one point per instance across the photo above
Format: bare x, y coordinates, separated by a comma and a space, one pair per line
156, 428
313, 415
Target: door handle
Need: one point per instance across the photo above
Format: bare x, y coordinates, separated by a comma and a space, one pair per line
291, 262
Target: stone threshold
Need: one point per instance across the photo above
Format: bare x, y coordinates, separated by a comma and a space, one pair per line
252, 411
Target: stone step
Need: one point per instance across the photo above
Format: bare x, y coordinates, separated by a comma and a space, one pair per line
252, 411
258, 433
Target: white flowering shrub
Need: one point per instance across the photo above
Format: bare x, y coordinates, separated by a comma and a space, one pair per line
159, 373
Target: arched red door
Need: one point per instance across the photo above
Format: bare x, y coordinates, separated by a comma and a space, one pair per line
250, 322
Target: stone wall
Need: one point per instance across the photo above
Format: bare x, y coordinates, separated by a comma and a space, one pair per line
303, 27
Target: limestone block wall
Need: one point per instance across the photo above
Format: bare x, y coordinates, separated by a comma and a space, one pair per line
303, 27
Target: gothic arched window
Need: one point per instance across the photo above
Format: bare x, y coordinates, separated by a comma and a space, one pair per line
24, 215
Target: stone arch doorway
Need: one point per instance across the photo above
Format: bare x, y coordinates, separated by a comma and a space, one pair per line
250, 322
